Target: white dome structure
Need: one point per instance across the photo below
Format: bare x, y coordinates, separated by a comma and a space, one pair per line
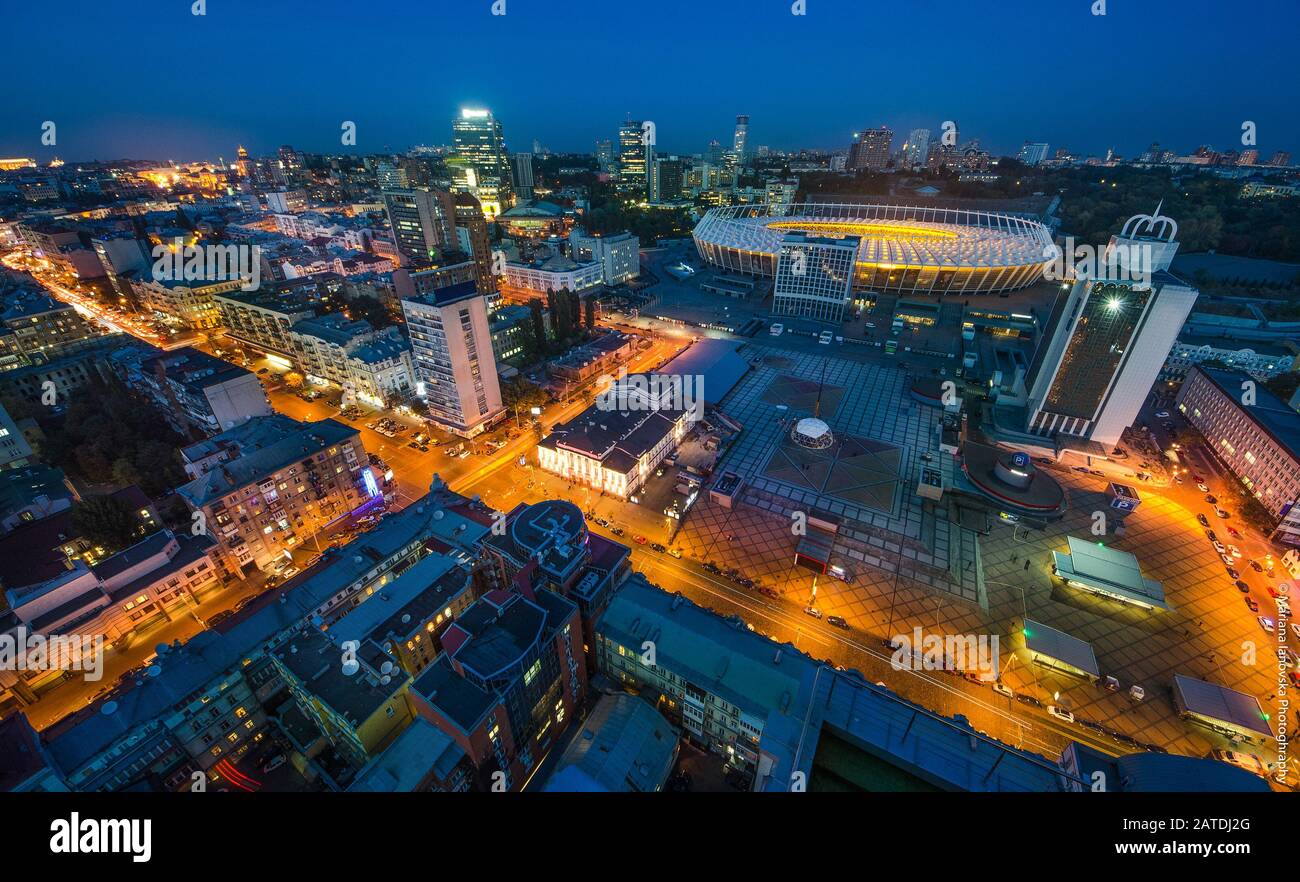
812, 433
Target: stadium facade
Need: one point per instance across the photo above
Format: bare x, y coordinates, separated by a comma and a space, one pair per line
903, 249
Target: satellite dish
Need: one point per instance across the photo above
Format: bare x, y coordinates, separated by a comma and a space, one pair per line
386, 668
109, 708
406, 619
350, 667
163, 648
154, 670
385, 679
437, 515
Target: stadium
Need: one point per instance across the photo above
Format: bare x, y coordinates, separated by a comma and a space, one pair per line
904, 249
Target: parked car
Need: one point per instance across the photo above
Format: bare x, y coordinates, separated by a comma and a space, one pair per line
1202, 487
1060, 713
273, 763
813, 611
1266, 623
1205, 522
1251, 604
1003, 689
1242, 586
837, 622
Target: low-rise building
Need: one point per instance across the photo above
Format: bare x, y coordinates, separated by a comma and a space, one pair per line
553, 273
1254, 434
1261, 360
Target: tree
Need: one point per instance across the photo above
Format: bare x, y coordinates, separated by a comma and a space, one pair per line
106, 521
590, 318
293, 380
538, 324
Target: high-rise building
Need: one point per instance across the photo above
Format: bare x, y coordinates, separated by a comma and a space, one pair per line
524, 175
391, 176
1032, 153
740, 140
1248, 157
917, 148
633, 156
480, 145
1111, 337
473, 239
1280, 159
666, 180
870, 149
605, 155
455, 370
814, 277
423, 223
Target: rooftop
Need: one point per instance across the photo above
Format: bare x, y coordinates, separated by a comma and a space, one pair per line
625, 746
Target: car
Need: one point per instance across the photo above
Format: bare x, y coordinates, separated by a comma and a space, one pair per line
1227, 559
1273, 592
1232, 531
675, 552
264, 370
825, 338
1003, 689
1254, 565
218, 618
1060, 713
769, 592
1221, 513
1098, 472
1295, 629
1162, 414
1136, 692
1083, 469
273, 763
1233, 574
1200, 485
1209, 534
1252, 605
1266, 623
1242, 586
1205, 522
1209, 497
1110, 684
655, 546
837, 622
640, 540
1219, 547
1234, 551
463, 454
813, 611
617, 531
290, 572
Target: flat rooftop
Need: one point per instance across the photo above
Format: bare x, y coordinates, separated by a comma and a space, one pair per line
1109, 571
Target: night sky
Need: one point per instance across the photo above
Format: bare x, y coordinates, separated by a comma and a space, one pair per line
147, 79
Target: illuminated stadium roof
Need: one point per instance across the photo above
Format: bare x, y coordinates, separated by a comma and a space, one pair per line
907, 248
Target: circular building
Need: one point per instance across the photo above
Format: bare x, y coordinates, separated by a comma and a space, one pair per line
902, 249
1010, 480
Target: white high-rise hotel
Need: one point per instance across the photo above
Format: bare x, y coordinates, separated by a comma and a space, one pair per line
1113, 335
814, 276
456, 373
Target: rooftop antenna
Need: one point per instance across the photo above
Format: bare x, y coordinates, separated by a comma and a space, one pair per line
821, 384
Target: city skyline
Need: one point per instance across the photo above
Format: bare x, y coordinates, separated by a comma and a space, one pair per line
1003, 100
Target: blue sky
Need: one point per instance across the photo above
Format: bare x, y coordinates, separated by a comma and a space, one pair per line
147, 79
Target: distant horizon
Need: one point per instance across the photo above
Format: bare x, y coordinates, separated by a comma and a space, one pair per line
1121, 81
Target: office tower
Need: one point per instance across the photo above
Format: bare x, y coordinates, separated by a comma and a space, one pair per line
666, 181
632, 156
423, 222
1032, 153
605, 155
814, 276
1280, 159
456, 373
917, 148
472, 233
292, 165
1248, 157
524, 175
480, 145
870, 149
1112, 336
740, 140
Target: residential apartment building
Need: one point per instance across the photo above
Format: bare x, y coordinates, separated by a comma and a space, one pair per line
37, 329
266, 486
197, 392
455, 371
184, 304
423, 222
